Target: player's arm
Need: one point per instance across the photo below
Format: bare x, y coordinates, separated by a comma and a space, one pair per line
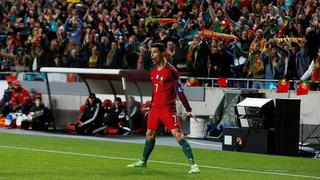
183, 98
185, 102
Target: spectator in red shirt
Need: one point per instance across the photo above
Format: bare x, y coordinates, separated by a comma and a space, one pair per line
21, 98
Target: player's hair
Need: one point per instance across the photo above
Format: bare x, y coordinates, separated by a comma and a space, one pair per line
160, 46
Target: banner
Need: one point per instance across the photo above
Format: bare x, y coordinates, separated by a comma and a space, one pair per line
212, 34
160, 20
289, 39
73, 1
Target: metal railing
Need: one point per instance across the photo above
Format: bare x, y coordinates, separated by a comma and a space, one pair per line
205, 81
210, 82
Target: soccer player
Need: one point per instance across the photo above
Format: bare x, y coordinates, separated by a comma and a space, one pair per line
165, 88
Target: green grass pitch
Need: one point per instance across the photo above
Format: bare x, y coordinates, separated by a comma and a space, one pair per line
41, 157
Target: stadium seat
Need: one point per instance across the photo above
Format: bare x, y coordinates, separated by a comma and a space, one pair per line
111, 131
70, 127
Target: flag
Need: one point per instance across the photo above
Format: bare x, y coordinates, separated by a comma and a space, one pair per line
73, 1
283, 86
285, 23
226, 23
303, 89
222, 82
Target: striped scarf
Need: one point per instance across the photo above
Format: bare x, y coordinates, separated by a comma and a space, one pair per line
110, 57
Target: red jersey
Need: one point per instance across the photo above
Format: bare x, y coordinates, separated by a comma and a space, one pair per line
165, 87
21, 97
164, 83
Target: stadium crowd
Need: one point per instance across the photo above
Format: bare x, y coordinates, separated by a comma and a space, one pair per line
273, 39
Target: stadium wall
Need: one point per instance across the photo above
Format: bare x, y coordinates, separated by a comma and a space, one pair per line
68, 97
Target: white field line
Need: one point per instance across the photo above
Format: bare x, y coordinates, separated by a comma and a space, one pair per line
159, 162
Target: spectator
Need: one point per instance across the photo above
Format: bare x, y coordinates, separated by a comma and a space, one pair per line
302, 60
53, 51
292, 67
37, 57
220, 60
39, 116
94, 59
5, 103
198, 57
144, 61
239, 62
78, 58
134, 111
57, 61
117, 117
91, 117
258, 43
21, 99
313, 72
170, 51
73, 27
113, 59
132, 52
179, 57
21, 103
21, 61
255, 66
277, 65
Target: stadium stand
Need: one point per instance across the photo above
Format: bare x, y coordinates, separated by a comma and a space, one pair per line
205, 38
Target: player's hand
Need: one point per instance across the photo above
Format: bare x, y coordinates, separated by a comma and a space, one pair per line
81, 124
190, 114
